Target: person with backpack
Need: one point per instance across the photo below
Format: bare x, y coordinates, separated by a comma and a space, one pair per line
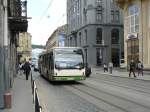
140, 68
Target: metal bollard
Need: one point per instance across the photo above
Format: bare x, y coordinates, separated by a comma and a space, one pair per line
7, 100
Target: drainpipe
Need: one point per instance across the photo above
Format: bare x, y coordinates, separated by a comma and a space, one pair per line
2, 85
7, 94
6, 44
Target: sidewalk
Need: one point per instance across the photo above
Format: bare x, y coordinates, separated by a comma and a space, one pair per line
122, 73
21, 96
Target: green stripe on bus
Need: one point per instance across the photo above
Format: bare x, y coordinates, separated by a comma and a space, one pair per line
63, 78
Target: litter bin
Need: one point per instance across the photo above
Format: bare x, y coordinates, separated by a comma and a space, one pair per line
7, 100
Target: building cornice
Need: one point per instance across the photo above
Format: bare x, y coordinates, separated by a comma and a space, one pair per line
110, 24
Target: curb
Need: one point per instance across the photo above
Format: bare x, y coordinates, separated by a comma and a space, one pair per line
124, 77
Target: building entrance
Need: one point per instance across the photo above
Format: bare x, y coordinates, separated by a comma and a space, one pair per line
115, 57
132, 50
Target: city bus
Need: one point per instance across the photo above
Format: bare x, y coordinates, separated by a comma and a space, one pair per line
62, 64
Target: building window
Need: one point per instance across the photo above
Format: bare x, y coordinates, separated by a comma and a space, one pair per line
85, 15
80, 39
99, 36
99, 1
114, 15
99, 13
115, 36
78, 6
117, 15
85, 37
133, 19
71, 41
111, 2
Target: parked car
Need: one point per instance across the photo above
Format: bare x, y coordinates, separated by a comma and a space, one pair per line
122, 64
36, 67
33, 62
87, 70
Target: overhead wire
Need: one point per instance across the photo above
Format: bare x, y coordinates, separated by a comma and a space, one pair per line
50, 3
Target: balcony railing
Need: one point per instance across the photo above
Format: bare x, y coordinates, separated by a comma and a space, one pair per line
17, 15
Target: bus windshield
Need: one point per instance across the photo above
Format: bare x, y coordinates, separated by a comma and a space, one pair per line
69, 59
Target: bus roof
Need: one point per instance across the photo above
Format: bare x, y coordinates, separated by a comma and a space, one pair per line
67, 47
48, 51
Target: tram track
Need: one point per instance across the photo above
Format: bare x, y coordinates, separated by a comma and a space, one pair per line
129, 80
108, 98
137, 87
100, 103
125, 86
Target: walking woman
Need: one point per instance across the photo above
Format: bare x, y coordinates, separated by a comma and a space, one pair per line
27, 69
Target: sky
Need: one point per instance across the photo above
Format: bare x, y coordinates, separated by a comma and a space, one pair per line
46, 16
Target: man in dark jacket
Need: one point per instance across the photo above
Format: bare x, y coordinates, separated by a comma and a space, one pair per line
132, 68
27, 69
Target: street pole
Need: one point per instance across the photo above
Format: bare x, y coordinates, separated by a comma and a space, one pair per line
142, 30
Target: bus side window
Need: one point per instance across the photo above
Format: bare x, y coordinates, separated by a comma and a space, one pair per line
48, 61
52, 60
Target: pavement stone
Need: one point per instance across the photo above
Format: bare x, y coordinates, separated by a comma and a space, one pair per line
122, 73
21, 96
22, 99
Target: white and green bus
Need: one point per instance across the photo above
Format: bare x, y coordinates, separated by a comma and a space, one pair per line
62, 64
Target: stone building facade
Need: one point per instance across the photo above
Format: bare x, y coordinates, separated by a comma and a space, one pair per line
57, 38
136, 30
97, 27
13, 19
25, 47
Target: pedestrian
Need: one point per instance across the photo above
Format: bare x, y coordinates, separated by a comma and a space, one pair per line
19, 68
27, 69
140, 68
110, 65
105, 67
132, 68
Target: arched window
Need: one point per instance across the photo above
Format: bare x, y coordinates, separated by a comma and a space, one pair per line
114, 36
